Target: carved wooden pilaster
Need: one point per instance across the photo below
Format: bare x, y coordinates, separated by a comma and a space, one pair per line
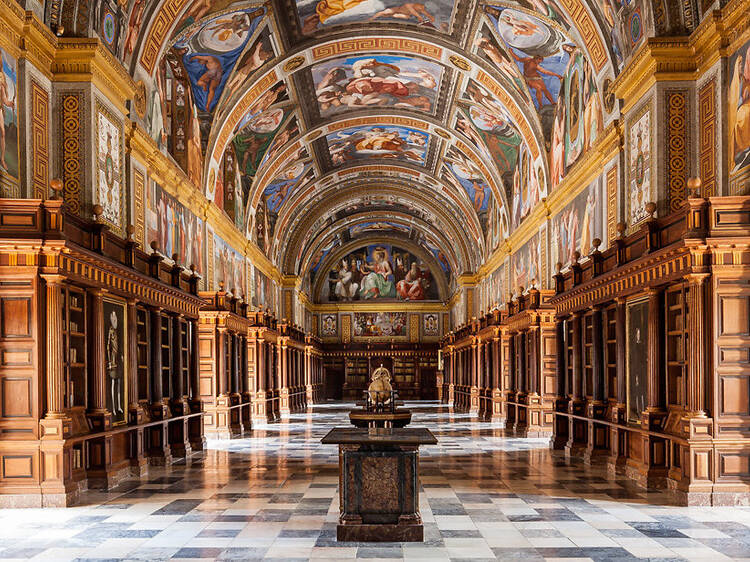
55, 359
698, 349
101, 418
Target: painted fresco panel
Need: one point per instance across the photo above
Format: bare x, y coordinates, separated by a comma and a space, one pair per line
379, 272
109, 167
329, 325
578, 224
639, 170
229, 267
209, 52
348, 83
378, 141
738, 113
379, 324
526, 264
430, 324
9, 159
317, 14
174, 228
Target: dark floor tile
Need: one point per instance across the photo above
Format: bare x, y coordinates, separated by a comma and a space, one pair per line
197, 552
178, 507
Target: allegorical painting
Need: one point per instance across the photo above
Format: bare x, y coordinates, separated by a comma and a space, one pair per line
379, 272
498, 292
328, 325
209, 51
430, 325
577, 225
365, 82
9, 114
175, 229
379, 324
526, 264
229, 268
439, 255
321, 14
115, 348
109, 167
263, 291
461, 171
639, 171
492, 50
738, 110
382, 142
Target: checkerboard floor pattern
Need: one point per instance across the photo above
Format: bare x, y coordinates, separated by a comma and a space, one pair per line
272, 495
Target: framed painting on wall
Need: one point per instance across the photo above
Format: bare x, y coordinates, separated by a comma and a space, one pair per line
637, 353
115, 347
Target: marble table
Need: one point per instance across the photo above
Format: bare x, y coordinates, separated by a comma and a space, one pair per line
378, 487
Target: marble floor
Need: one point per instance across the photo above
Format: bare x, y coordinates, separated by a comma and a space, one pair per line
273, 495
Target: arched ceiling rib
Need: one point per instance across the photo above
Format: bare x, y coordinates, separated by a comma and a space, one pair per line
296, 115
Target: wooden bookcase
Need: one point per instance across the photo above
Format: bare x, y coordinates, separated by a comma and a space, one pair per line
75, 359
570, 391
185, 346
166, 356
143, 355
675, 323
610, 351
588, 356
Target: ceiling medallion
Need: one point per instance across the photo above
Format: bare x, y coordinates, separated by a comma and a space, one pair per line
443, 133
293, 64
460, 63
139, 99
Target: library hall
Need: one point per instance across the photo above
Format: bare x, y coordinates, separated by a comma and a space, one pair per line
445, 280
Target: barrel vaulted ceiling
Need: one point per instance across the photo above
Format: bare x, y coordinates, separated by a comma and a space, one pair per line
321, 126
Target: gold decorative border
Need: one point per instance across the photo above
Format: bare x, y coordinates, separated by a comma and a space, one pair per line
39, 140
611, 183
139, 207
708, 138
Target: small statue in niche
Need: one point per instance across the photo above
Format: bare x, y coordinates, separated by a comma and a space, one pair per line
113, 365
380, 388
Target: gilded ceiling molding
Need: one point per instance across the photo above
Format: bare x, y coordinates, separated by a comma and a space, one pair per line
88, 60
24, 35
354, 194
374, 216
294, 243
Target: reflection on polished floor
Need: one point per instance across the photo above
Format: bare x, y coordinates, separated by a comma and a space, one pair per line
273, 495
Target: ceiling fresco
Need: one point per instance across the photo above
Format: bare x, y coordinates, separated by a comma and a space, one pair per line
435, 127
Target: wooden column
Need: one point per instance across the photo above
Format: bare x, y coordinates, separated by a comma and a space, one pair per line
221, 366
697, 345
283, 377
55, 367
577, 433
476, 367
135, 409
655, 393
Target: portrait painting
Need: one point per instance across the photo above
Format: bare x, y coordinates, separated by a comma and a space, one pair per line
526, 264
365, 82
738, 110
639, 167
229, 268
430, 325
9, 112
320, 14
637, 352
175, 229
328, 325
209, 51
115, 353
379, 324
577, 225
379, 272
384, 142
109, 167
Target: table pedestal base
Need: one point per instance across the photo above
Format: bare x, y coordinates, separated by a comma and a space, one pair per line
380, 533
